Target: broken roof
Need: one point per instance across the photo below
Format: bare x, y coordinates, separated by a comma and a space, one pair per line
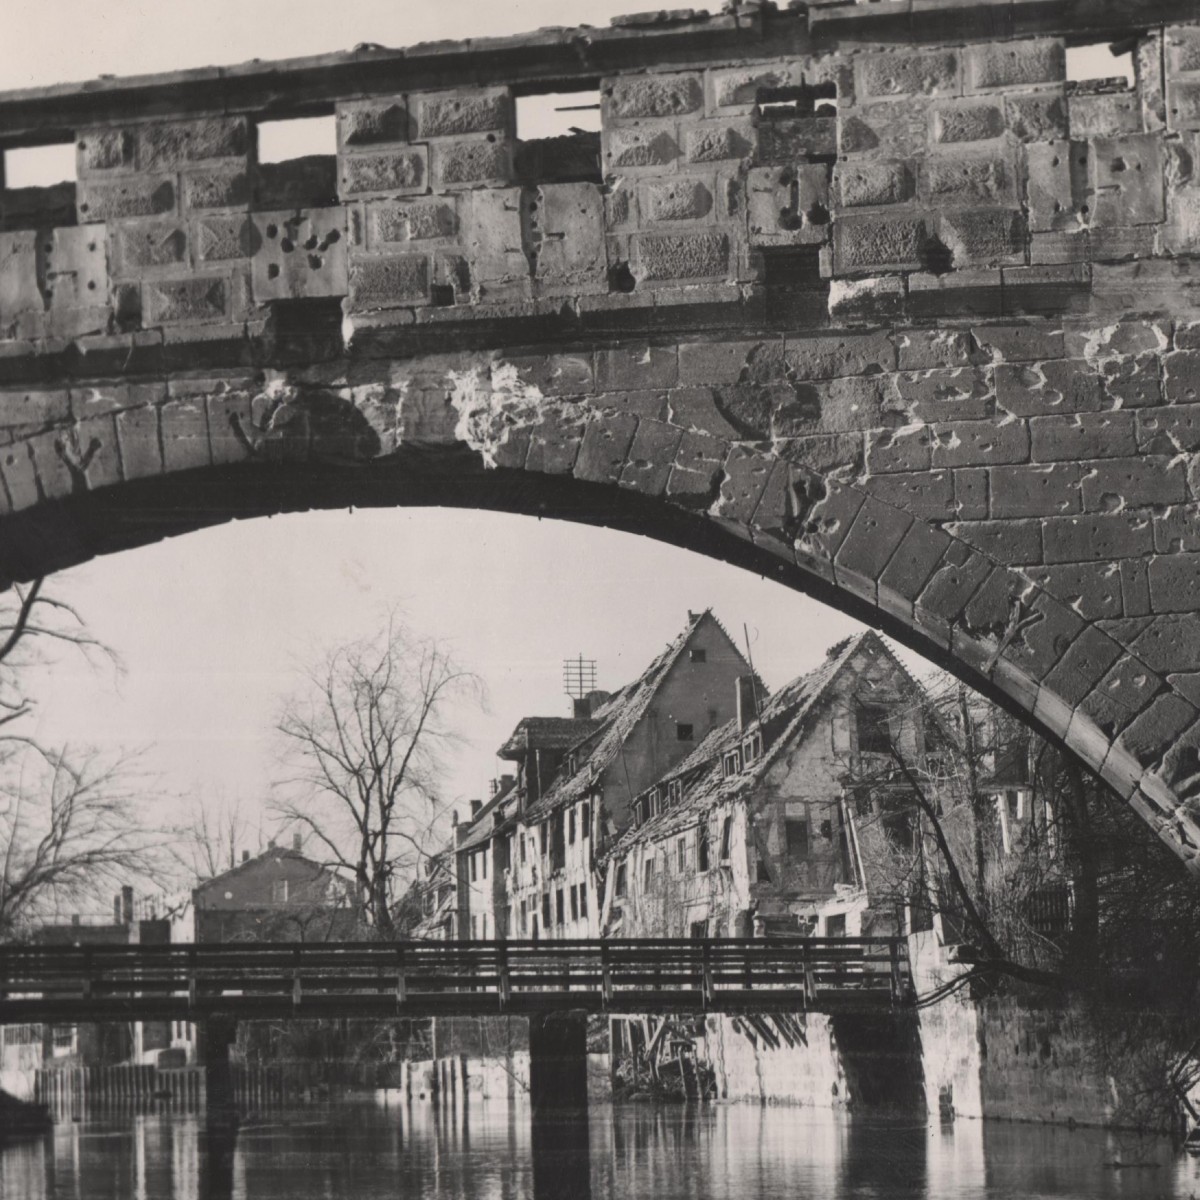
546, 733
783, 716
614, 721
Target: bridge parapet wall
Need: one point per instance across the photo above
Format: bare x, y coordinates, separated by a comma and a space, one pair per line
872, 287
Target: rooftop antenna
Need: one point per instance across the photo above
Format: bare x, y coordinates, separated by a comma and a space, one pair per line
579, 676
753, 676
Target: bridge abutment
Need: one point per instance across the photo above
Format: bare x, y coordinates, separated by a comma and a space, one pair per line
558, 1093
218, 1034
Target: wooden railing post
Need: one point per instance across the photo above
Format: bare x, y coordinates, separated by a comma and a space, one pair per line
606, 983
810, 978
401, 982
707, 990
897, 981
503, 982
296, 978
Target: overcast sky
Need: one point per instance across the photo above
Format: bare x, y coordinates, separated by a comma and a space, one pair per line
210, 625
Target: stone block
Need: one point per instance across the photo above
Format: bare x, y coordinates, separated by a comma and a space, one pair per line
199, 299
899, 450
717, 362
138, 437
788, 205
961, 180
557, 374
677, 199
926, 349
1093, 590
971, 493
952, 122
963, 393
1008, 541
1183, 105
681, 256
1096, 538
105, 149
1181, 374
636, 149
1152, 734
980, 444
1037, 116
869, 244
902, 580
697, 467
718, 141
464, 111
1035, 490
696, 408
983, 236
389, 282
1127, 177
908, 73
652, 95
163, 145
1104, 114
858, 183
222, 238
471, 163
299, 255
950, 587
742, 484
142, 246
493, 236
20, 292
1014, 64
399, 171
784, 140
635, 367
571, 252
832, 356
1050, 186
216, 188
22, 409
1020, 343
1169, 429
1086, 661
1170, 642
1174, 583
1057, 386
392, 222
184, 426
125, 197
875, 535
605, 448
373, 122
894, 130
927, 495
1114, 484
1182, 48
651, 455
738, 89
867, 300
824, 453
1076, 436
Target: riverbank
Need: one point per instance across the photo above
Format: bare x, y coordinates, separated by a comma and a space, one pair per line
22, 1118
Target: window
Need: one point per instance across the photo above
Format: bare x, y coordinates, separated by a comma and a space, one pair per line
279, 891
523, 848
545, 835
796, 832
698, 930
683, 733
39, 166
681, 855
648, 882
583, 900
697, 655
559, 906
874, 734
574, 903
1089, 64
731, 764
483, 863
283, 141
546, 910
752, 749
835, 925
726, 838
675, 791
571, 827
474, 868
702, 848
1012, 800
585, 821
827, 830
622, 880
558, 841
557, 114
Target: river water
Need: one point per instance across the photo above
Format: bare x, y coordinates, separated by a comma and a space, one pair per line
364, 1150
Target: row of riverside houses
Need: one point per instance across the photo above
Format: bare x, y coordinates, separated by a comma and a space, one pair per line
691, 803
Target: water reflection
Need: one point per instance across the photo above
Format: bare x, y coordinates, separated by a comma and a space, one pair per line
490, 1151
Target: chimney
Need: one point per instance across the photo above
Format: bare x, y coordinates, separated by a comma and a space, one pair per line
127, 905
476, 805
747, 701
296, 842
74, 918
582, 707
245, 856
454, 818
116, 911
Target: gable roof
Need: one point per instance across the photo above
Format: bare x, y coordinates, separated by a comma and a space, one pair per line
257, 860
614, 721
783, 718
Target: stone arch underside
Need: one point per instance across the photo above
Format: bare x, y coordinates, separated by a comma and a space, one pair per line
868, 297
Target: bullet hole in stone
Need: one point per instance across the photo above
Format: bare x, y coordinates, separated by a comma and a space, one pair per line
91, 285
491, 137
332, 236
620, 278
287, 245
314, 261
83, 208
442, 295
1055, 161
817, 215
49, 248
272, 231
1084, 209
272, 270
92, 247
788, 219
1118, 164
311, 244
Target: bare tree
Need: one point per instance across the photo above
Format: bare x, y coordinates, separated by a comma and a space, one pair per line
366, 738
207, 841
69, 826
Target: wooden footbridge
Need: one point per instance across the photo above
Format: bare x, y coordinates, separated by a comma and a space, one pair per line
275, 980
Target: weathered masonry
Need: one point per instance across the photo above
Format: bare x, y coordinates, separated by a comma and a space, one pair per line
866, 295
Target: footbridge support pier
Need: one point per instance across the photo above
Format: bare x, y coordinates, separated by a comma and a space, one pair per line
558, 1098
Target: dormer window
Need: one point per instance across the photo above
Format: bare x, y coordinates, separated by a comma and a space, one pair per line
675, 791
752, 749
731, 764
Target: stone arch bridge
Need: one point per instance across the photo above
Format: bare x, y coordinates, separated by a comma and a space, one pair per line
868, 296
